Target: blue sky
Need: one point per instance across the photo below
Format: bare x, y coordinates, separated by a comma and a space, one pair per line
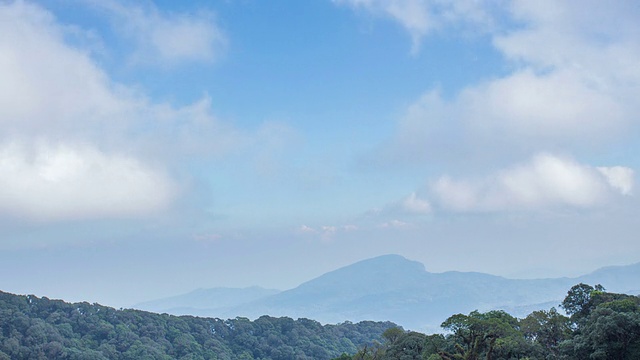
150, 148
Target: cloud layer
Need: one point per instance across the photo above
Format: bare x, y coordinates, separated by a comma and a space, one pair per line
421, 17
59, 182
546, 181
570, 84
73, 143
570, 88
166, 38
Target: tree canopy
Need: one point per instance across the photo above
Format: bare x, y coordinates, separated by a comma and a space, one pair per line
601, 325
39, 328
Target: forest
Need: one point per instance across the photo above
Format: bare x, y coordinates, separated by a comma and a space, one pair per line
40, 328
597, 325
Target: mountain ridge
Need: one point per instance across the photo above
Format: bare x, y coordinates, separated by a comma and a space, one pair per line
391, 287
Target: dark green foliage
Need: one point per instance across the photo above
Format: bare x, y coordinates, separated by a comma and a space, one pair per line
610, 329
603, 326
39, 328
579, 300
409, 346
546, 330
494, 334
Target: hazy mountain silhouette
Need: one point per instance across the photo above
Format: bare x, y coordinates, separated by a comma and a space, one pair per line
393, 288
203, 299
620, 279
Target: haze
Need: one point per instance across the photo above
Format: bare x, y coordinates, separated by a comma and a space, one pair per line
151, 148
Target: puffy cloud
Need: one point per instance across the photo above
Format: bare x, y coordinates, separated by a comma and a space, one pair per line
589, 36
74, 144
579, 76
59, 182
48, 85
555, 106
546, 181
166, 38
573, 85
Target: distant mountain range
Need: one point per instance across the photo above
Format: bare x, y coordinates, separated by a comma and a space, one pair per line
206, 299
392, 288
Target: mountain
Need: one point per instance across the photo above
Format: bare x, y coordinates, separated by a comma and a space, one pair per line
396, 289
392, 287
621, 279
200, 300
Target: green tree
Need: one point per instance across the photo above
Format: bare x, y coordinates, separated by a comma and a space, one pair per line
547, 329
478, 334
433, 345
578, 303
408, 346
611, 331
392, 334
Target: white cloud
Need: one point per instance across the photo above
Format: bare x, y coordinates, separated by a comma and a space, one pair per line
546, 181
400, 214
554, 106
304, 229
414, 205
526, 110
414, 16
84, 145
455, 195
619, 177
47, 84
574, 85
420, 17
166, 38
58, 182
326, 232
410, 206
589, 36
395, 224
580, 76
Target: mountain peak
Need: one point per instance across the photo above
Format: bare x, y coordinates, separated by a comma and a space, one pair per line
388, 263
369, 273
391, 287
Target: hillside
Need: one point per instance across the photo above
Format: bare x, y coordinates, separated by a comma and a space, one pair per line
393, 288
623, 279
40, 328
192, 302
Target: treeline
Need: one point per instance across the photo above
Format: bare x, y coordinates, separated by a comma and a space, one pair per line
600, 325
40, 328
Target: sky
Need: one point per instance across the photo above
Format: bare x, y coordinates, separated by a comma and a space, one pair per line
150, 148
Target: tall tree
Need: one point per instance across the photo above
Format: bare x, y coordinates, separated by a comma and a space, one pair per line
577, 303
478, 334
547, 329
